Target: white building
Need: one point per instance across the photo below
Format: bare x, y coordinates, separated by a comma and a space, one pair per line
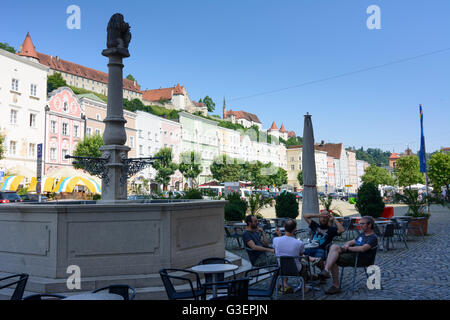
23, 97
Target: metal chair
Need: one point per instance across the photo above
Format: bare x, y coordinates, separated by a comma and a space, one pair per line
236, 289
44, 296
20, 285
173, 294
400, 230
358, 264
388, 234
123, 290
273, 271
231, 233
252, 260
219, 276
347, 224
289, 270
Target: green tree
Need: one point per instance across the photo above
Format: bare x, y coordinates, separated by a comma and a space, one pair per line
133, 105
279, 178
236, 208
190, 166
7, 47
377, 175
88, 147
286, 205
55, 81
439, 172
130, 77
209, 103
164, 166
369, 201
258, 174
408, 172
300, 177
225, 169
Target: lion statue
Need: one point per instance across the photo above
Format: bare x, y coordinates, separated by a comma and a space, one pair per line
119, 35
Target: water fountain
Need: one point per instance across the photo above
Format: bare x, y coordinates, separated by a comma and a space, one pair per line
113, 240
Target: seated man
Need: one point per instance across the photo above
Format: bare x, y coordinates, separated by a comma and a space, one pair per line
346, 255
289, 246
323, 232
255, 239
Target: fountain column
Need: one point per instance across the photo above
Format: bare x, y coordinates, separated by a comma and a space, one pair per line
114, 187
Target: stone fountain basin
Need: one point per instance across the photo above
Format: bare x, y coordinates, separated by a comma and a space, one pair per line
108, 238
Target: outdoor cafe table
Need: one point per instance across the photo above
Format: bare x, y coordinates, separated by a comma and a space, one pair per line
95, 296
214, 269
240, 224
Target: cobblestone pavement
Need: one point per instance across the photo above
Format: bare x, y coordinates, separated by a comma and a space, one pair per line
419, 272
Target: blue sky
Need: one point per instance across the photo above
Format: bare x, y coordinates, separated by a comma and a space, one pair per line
240, 48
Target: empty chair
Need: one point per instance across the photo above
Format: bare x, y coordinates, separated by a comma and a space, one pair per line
230, 234
388, 234
20, 280
219, 276
45, 296
237, 289
123, 290
271, 271
197, 292
400, 230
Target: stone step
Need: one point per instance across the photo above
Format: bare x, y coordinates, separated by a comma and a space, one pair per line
88, 284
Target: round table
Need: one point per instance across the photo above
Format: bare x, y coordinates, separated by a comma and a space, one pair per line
240, 224
95, 296
214, 269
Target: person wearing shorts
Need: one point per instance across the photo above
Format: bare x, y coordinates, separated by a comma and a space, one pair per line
346, 255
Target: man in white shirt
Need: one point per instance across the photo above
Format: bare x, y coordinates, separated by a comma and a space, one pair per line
289, 246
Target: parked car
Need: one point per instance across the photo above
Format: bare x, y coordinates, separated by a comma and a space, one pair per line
299, 195
9, 196
265, 194
139, 197
322, 195
274, 194
334, 195
348, 196
32, 197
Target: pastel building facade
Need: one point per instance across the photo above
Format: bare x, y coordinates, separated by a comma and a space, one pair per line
171, 133
23, 97
64, 128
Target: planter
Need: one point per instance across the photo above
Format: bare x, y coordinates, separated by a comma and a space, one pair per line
416, 223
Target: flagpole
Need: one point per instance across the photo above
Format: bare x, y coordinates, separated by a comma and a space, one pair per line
425, 159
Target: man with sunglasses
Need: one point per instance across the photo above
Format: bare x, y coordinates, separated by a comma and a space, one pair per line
345, 255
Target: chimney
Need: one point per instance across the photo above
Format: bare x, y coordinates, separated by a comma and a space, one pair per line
322, 142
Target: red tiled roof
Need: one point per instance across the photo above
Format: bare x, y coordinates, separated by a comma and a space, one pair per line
333, 149
28, 49
282, 129
394, 156
291, 134
243, 115
162, 93
58, 64
199, 104
273, 127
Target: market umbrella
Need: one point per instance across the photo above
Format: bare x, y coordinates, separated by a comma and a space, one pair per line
310, 202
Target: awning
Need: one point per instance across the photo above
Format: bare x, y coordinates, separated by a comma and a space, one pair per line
46, 184
67, 184
11, 183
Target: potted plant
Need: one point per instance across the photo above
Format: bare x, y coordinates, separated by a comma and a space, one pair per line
256, 202
369, 201
286, 205
416, 209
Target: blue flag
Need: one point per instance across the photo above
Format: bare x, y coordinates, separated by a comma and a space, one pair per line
423, 161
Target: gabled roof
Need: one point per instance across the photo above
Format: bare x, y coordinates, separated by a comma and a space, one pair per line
283, 129
333, 149
199, 104
58, 64
162, 93
90, 96
28, 49
394, 156
243, 115
291, 134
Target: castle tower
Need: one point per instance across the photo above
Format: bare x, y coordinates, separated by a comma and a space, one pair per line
28, 50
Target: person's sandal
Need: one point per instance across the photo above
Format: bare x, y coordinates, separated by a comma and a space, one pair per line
333, 290
324, 274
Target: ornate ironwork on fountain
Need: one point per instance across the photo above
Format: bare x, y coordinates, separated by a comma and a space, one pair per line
95, 166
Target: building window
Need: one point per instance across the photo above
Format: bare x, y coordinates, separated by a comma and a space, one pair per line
53, 153
13, 116
88, 131
15, 85
32, 150
292, 167
131, 142
149, 150
75, 131
97, 132
141, 150
12, 148
64, 153
97, 117
33, 90
65, 107
53, 128
32, 120
299, 167
64, 129
149, 136
140, 134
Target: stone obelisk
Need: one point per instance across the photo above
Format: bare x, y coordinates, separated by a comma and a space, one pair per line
115, 151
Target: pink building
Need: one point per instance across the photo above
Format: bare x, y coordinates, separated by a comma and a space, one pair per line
64, 128
171, 138
331, 176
